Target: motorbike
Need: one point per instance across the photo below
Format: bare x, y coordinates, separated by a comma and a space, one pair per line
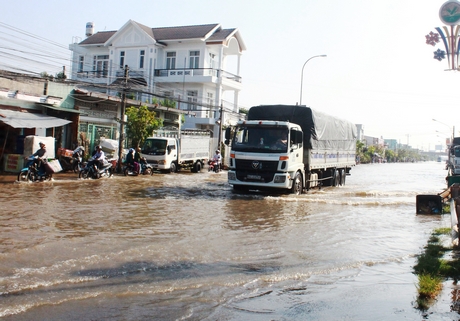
213, 166
145, 169
31, 173
92, 171
74, 163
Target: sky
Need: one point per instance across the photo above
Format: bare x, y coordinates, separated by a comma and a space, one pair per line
379, 71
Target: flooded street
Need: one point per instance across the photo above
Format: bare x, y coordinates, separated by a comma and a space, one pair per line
186, 247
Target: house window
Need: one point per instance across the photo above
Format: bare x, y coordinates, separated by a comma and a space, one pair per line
210, 99
101, 66
212, 60
171, 60
81, 61
122, 59
192, 98
141, 60
194, 59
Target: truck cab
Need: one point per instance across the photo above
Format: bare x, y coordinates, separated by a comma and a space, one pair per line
454, 160
265, 154
160, 152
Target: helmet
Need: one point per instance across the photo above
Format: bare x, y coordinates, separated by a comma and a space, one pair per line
131, 150
217, 151
98, 147
41, 143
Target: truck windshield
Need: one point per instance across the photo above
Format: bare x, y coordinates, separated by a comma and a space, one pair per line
154, 146
261, 139
457, 151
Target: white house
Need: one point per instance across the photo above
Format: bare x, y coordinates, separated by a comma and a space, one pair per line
197, 66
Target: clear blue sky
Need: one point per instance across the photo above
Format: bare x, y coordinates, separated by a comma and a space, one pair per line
379, 71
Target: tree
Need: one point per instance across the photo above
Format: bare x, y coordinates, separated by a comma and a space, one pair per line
141, 123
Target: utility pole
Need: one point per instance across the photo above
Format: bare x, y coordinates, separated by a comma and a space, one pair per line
220, 126
122, 118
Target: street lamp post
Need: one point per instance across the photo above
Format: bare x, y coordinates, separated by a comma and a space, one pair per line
301, 76
453, 127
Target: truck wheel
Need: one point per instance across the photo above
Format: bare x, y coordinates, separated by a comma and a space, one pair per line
342, 177
336, 178
173, 168
197, 167
297, 184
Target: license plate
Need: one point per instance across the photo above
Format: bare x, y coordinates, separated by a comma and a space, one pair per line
258, 177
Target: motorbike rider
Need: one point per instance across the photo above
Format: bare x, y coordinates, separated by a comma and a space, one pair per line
40, 157
131, 160
217, 158
98, 158
137, 160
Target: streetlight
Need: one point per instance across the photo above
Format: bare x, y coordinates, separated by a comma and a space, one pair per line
301, 77
453, 127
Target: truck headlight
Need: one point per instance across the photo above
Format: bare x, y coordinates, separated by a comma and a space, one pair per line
279, 179
161, 162
231, 176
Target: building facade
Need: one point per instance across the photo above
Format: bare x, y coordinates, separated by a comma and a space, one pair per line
196, 66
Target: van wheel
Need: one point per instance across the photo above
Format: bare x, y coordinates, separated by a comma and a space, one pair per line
173, 167
297, 184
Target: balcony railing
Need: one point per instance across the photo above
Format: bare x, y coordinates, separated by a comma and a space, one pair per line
196, 72
93, 74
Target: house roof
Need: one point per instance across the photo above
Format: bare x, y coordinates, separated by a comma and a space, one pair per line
98, 38
185, 32
209, 32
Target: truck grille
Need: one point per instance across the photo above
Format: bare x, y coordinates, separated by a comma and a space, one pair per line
255, 171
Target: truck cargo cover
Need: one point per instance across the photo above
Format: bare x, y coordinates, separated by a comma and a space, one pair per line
321, 131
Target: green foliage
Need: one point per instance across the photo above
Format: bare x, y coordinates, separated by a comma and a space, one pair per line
165, 102
432, 269
61, 76
244, 111
141, 124
367, 154
46, 75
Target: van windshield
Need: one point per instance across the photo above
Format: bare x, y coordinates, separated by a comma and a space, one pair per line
153, 146
261, 139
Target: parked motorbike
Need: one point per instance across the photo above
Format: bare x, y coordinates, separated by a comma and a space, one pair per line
213, 166
72, 163
31, 173
145, 169
92, 171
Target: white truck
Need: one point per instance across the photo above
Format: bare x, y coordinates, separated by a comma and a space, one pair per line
173, 150
453, 161
290, 147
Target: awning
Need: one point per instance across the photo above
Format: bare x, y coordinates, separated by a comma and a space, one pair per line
19, 119
68, 110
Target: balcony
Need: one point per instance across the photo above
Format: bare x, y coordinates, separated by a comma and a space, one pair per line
92, 74
197, 73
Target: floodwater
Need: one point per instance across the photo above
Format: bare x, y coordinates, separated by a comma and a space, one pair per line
186, 247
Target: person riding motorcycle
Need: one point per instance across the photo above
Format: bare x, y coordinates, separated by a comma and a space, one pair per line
98, 158
40, 157
217, 158
131, 159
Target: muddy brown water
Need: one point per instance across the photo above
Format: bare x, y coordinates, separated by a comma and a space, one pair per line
186, 247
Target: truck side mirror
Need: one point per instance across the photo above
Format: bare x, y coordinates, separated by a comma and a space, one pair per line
168, 149
296, 137
227, 141
228, 134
